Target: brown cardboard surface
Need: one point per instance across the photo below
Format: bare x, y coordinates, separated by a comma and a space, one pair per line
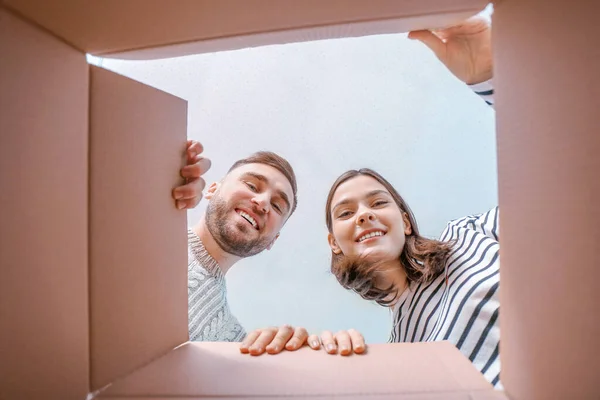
219, 369
356, 29
473, 395
546, 65
43, 215
114, 26
138, 257
546, 62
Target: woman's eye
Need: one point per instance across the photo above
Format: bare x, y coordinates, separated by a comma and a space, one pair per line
344, 214
380, 203
276, 207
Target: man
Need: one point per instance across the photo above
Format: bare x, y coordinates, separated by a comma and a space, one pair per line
246, 211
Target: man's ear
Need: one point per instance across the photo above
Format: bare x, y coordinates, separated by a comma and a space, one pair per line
270, 246
333, 244
211, 190
407, 224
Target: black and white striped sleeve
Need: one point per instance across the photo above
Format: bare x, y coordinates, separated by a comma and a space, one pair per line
485, 90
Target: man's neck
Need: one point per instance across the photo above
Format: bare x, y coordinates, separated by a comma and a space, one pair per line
224, 259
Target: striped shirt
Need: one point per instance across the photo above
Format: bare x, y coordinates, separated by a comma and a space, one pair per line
462, 304
209, 316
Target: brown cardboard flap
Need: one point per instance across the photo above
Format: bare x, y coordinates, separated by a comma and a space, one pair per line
355, 29
549, 188
463, 395
219, 369
138, 258
115, 26
43, 215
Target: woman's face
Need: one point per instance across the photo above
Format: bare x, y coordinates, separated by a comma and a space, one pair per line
366, 221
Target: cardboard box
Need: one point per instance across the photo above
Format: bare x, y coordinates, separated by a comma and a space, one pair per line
93, 273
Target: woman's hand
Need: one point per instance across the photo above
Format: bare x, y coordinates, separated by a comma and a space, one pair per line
189, 195
344, 341
274, 340
465, 49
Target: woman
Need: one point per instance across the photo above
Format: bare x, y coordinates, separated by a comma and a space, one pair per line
443, 289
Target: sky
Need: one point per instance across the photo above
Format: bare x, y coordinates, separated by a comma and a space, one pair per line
383, 102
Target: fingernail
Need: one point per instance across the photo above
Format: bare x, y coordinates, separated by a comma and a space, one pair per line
330, 347
180, 205
343, 349
315, 343
178, 195
275, 348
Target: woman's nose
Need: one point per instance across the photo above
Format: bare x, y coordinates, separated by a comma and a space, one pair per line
365, 216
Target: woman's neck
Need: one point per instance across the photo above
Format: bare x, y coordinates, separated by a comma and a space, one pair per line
394, 274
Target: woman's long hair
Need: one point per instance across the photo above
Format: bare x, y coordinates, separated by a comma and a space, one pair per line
423, 259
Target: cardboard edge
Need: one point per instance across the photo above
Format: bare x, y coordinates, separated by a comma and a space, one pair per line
294, 35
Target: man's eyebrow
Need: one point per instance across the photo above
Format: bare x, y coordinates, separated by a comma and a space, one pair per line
265, 180
370, 194
256, 176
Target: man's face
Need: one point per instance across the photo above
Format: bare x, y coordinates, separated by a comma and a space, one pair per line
248, 208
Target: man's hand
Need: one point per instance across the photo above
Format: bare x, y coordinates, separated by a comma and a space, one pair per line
190, 194
274, 340
465, 49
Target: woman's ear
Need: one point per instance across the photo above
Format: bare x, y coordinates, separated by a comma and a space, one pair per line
211, 190
333, 244
407, 224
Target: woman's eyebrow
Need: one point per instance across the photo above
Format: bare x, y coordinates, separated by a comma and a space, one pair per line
369, 194
373, 193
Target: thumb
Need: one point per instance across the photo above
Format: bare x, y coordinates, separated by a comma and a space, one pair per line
430, 40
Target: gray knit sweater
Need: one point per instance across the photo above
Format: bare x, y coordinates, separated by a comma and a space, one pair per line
209, 316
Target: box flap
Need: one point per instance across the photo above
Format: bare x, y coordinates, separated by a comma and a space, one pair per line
115, 26
219, 369
549, 186
138, 240
43, 215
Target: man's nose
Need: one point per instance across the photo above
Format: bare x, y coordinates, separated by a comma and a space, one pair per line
262, 203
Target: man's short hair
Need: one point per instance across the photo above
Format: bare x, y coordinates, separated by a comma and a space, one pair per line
276, 161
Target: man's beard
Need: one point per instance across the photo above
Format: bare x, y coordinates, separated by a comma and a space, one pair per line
227, 236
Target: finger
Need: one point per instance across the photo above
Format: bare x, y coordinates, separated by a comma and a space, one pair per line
284, 334
249, 341
328, 342
260, 344
343, 341
314, 342
195, 170
430, 40
190, 190
472, 26
194, 148
188, 204
358, 341
297, 340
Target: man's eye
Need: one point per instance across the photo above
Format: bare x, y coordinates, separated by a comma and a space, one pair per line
251, 186
276, 207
